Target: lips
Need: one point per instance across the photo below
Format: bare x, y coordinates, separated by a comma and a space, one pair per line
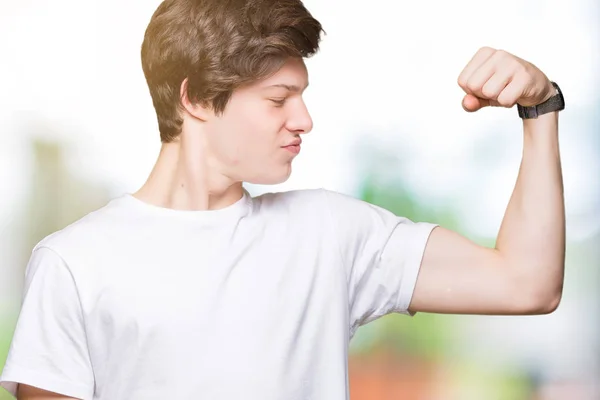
293, 149
294, 146
296, 142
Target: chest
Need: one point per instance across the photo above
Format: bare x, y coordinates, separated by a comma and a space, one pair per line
265, 307
267, 291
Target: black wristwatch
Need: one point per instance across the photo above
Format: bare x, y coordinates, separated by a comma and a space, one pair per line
554, 103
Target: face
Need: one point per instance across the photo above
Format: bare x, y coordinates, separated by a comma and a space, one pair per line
257, 137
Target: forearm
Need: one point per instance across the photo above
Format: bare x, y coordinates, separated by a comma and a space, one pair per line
532, 235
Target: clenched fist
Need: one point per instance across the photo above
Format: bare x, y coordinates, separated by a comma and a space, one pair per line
498, 78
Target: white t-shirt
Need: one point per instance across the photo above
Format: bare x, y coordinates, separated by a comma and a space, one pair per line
258, 300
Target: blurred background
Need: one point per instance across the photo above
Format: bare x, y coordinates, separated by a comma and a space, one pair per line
77, 128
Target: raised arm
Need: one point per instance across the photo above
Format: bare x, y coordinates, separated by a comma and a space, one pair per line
523, 274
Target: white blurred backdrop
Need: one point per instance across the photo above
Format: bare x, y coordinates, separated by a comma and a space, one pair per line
382, 87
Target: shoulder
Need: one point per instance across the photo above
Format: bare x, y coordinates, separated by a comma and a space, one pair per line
321, 207
82, 233
289, 204
282, 199
308, 198
318, 201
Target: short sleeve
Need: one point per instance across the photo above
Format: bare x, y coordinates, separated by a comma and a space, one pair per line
49, 348
381, 253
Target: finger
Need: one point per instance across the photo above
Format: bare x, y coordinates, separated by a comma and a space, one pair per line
513, 91
484, 73
478, 59
496, 83
473, 103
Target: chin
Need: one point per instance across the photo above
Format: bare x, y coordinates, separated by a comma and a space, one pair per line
274, 176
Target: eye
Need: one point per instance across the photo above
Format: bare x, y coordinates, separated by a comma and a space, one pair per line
278, 102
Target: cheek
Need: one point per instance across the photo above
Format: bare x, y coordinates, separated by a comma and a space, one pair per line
237, 144
259, 131
249, 136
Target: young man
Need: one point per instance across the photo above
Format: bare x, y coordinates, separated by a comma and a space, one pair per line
192, 289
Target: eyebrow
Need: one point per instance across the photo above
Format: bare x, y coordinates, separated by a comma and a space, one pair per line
291, 88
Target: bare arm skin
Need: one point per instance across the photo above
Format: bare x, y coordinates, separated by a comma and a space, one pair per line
524, 273
26, 392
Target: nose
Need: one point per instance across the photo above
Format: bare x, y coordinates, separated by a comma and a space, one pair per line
300, 120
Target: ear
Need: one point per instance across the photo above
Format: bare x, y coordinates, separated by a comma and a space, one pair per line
196, 110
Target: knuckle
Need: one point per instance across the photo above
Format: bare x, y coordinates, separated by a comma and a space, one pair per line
520, 67
486, 49
505, 54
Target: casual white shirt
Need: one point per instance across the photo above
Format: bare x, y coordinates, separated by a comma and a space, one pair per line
258, 300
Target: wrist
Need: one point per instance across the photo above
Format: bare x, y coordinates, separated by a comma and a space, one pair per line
554, 101
550, 91
543, 128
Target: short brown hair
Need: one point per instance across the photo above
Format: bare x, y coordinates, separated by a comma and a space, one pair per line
219, 45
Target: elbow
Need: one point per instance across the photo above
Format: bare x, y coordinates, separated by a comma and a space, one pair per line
548, 305
543, 301
539, 296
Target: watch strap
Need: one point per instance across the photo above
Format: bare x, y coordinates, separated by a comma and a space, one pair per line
554, 103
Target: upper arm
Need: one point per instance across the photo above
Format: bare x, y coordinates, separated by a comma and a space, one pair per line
26, 392
380, 254
49, 347
457, 276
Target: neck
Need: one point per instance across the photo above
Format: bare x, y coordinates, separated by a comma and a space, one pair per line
183, 179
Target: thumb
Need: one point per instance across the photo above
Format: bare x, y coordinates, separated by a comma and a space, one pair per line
472, 103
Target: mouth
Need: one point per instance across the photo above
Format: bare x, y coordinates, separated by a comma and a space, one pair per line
294, 146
